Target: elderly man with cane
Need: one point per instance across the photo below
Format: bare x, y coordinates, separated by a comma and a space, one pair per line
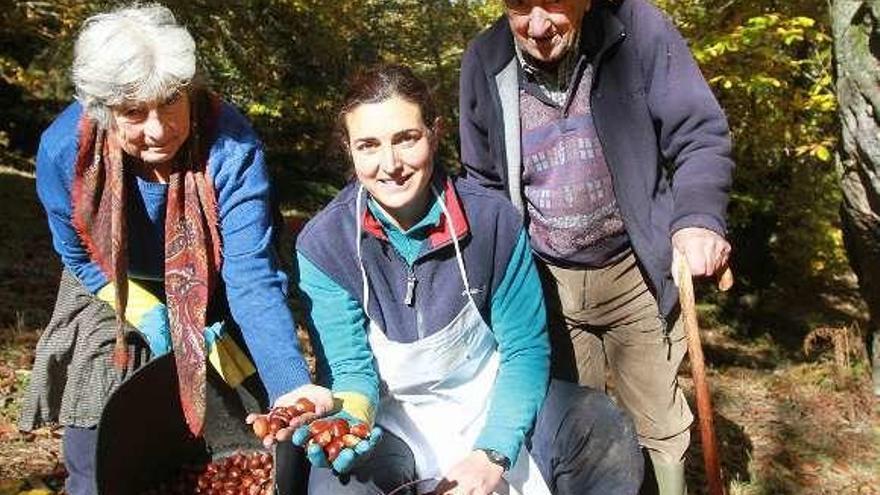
594, 119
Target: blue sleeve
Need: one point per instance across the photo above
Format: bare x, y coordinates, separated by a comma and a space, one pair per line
56, 159
692, 131
256, 285
519, 322
475, 115
337, 327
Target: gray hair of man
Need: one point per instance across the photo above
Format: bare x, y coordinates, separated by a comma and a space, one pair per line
136, 54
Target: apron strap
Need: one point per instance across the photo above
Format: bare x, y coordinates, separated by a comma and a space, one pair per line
458, 256
360, 231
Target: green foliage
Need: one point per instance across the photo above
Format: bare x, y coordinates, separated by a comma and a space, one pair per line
283, 62
36, 40
770, 66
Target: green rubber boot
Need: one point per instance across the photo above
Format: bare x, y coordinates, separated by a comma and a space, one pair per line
669, 476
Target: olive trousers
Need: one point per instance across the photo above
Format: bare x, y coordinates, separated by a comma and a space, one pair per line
605, 322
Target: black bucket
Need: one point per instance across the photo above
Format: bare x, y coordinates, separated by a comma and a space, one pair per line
143, 438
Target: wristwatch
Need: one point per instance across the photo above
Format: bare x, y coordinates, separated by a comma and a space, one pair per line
498, 458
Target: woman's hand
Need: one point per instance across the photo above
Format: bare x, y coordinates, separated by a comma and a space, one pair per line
321, 397
329, 444
474, 475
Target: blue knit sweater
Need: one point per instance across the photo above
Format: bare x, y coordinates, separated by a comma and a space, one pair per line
255, 285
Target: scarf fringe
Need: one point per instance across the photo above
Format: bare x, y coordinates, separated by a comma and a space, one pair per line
120, 349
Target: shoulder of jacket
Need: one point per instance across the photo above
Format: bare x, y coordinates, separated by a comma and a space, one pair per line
333, 218
234, 135
644, 20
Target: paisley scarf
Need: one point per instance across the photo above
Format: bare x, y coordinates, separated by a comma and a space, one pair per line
192, 239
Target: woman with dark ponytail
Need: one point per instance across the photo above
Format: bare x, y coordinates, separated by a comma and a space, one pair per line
427, 317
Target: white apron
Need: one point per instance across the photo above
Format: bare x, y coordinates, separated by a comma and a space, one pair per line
435, 391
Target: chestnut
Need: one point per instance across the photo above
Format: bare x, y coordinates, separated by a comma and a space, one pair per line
276, 424
261, 426
303, 405
339, 427
360, 429
323, 438
350, 440
333, 449
281, 413
319, 426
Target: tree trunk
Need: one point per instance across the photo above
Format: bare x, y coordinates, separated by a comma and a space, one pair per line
856, 31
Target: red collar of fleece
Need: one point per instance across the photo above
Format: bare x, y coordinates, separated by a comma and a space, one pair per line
440, 234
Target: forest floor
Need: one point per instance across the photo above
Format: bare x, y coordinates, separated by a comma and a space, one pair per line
788, 421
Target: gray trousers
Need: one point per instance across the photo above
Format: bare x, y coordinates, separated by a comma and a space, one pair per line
604, 322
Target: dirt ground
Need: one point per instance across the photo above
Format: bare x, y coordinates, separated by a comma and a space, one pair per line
788, 422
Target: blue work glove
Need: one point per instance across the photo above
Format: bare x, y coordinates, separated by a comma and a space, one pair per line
156, 329
154, 326
145, 312
149, 315
213, 333
347, 456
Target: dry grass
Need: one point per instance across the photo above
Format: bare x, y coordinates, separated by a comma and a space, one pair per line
29, 459
800, 428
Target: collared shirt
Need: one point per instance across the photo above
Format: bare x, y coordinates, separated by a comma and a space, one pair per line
554, 84
408, 243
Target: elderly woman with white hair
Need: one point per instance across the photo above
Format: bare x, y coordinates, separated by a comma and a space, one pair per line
158, 201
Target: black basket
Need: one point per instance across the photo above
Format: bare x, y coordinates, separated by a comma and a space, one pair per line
143, 438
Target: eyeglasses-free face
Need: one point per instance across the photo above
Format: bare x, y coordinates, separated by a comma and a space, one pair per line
393, 153
153, 132
545, 29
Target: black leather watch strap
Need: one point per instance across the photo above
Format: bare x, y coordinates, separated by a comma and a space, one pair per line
498, 458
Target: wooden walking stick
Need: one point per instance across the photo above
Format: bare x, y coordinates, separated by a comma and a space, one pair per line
698, 369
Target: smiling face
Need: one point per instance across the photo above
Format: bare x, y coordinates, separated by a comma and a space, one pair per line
393, 153
153, 132
546, 29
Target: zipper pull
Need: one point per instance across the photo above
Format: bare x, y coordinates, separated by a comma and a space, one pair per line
410, 288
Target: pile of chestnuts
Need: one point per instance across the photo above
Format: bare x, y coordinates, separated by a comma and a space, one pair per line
333, 435
251, 473
239, 474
